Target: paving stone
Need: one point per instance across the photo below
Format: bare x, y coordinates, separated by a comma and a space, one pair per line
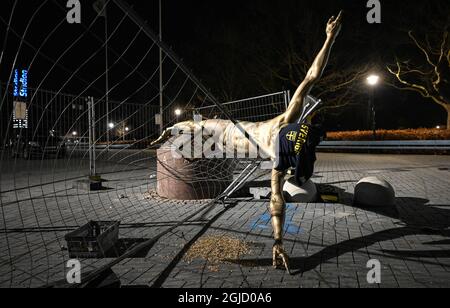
329, 244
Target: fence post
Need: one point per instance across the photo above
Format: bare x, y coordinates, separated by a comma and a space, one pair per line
92, 158
2, 129
287, 98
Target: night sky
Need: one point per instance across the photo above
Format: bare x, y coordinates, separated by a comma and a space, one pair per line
228, 44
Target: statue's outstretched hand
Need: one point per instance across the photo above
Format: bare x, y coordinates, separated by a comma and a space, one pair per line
280, 258
334, 25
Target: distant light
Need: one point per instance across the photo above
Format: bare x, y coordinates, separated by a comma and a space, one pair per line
373, 80
178, 112
438, 127
74, 134
111, 125
127, 129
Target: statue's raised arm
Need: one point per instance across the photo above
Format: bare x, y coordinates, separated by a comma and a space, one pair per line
314, 74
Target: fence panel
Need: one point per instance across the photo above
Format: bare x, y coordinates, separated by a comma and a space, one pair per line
256, 109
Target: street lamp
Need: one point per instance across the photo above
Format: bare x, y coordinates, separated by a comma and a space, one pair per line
178, 112
373, 80
111, 125
125, 130
74, 134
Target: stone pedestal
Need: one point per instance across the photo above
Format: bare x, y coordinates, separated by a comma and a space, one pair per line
193, 179
300, 194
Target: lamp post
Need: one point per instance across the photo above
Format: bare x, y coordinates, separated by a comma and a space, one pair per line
125, 130
100, 6
373, 80
161, 76
108, 136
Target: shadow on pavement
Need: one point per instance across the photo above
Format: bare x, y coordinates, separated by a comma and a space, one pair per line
418, 217
305, 264
123, 245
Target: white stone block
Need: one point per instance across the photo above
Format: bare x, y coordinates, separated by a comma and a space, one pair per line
296, 194
374, 192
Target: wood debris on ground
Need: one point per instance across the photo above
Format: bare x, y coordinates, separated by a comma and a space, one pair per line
153, 196
216, 249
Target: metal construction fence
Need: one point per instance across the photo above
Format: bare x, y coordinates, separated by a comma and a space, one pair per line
120, 122
255, 109
67, 115
117, 83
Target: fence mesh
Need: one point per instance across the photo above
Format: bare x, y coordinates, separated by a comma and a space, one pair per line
257, 109
44, 159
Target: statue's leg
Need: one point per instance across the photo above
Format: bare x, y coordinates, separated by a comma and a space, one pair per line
163, 138
168, 133
278, 213
208, 127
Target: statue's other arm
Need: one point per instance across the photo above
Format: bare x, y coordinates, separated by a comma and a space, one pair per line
278, 212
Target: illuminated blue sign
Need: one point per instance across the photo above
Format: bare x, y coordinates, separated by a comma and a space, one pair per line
24, 80
16, 83
20, 93
20, 83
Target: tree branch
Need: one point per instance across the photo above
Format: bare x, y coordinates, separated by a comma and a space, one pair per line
422, 90
443, 45
410, 33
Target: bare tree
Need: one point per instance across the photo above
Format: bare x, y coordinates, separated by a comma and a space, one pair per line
339, 87
288, 60
428, 72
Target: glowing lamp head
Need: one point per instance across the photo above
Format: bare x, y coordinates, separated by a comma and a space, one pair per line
111, 125
373, 80
178, 112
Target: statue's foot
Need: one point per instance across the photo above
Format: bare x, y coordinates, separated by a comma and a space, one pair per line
280, 258
163, 138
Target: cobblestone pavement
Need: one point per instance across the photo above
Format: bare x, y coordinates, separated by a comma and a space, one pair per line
329, 244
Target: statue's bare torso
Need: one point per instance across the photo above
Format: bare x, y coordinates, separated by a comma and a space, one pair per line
232, 136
